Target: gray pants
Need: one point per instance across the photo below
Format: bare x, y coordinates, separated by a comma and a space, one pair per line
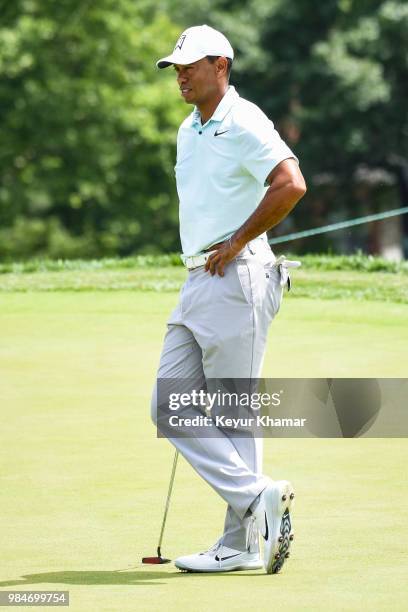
219, 330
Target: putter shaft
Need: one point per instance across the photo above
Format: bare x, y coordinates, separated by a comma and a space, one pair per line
173, 472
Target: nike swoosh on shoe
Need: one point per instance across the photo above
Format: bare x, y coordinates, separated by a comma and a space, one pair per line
217, 558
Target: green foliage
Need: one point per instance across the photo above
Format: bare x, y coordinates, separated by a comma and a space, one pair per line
324, 262
358, 262
88, 128
88, 123
44, 236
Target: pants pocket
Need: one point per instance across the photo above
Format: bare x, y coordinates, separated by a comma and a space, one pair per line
274, 290
244, 278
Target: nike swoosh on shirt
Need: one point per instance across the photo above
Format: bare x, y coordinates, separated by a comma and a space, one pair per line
219, 133
223, 558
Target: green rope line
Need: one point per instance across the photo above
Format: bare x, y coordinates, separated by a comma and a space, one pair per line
341, 225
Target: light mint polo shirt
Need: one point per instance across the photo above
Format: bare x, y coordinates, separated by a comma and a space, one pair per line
221, 169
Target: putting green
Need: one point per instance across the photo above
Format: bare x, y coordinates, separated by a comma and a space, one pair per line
83, 478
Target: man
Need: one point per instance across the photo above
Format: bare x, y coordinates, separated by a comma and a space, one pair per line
236, 179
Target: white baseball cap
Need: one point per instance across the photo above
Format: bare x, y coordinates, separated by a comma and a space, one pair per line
195, 43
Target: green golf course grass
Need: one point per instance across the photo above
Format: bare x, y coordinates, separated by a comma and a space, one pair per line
84, 478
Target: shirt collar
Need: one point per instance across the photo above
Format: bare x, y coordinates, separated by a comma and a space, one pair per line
226, 102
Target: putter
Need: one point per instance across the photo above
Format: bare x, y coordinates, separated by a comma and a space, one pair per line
159, 558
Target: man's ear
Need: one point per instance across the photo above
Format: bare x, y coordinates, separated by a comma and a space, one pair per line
222, 66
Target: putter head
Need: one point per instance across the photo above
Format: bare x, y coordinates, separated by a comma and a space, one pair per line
155, 560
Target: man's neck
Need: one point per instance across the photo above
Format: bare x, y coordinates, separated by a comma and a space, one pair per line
207, 109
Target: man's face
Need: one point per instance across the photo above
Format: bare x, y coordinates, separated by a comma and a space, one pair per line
198, 82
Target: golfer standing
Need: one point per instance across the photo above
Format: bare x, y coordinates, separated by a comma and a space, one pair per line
236, 179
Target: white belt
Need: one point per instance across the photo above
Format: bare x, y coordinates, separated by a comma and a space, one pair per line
195, 261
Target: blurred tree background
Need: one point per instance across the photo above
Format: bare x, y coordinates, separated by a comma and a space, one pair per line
88, 124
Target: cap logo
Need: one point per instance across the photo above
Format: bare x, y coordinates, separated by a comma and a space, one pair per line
180, 42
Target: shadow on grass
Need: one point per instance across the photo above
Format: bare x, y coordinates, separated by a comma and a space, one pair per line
91, 577
142, 577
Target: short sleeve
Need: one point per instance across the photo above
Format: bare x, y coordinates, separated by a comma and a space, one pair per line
261, 146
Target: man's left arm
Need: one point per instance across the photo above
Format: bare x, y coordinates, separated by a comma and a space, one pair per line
286, 187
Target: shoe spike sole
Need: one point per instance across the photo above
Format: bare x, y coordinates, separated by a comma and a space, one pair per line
286, 536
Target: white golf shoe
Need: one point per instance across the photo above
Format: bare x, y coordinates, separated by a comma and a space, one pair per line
272, 517
219, 558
